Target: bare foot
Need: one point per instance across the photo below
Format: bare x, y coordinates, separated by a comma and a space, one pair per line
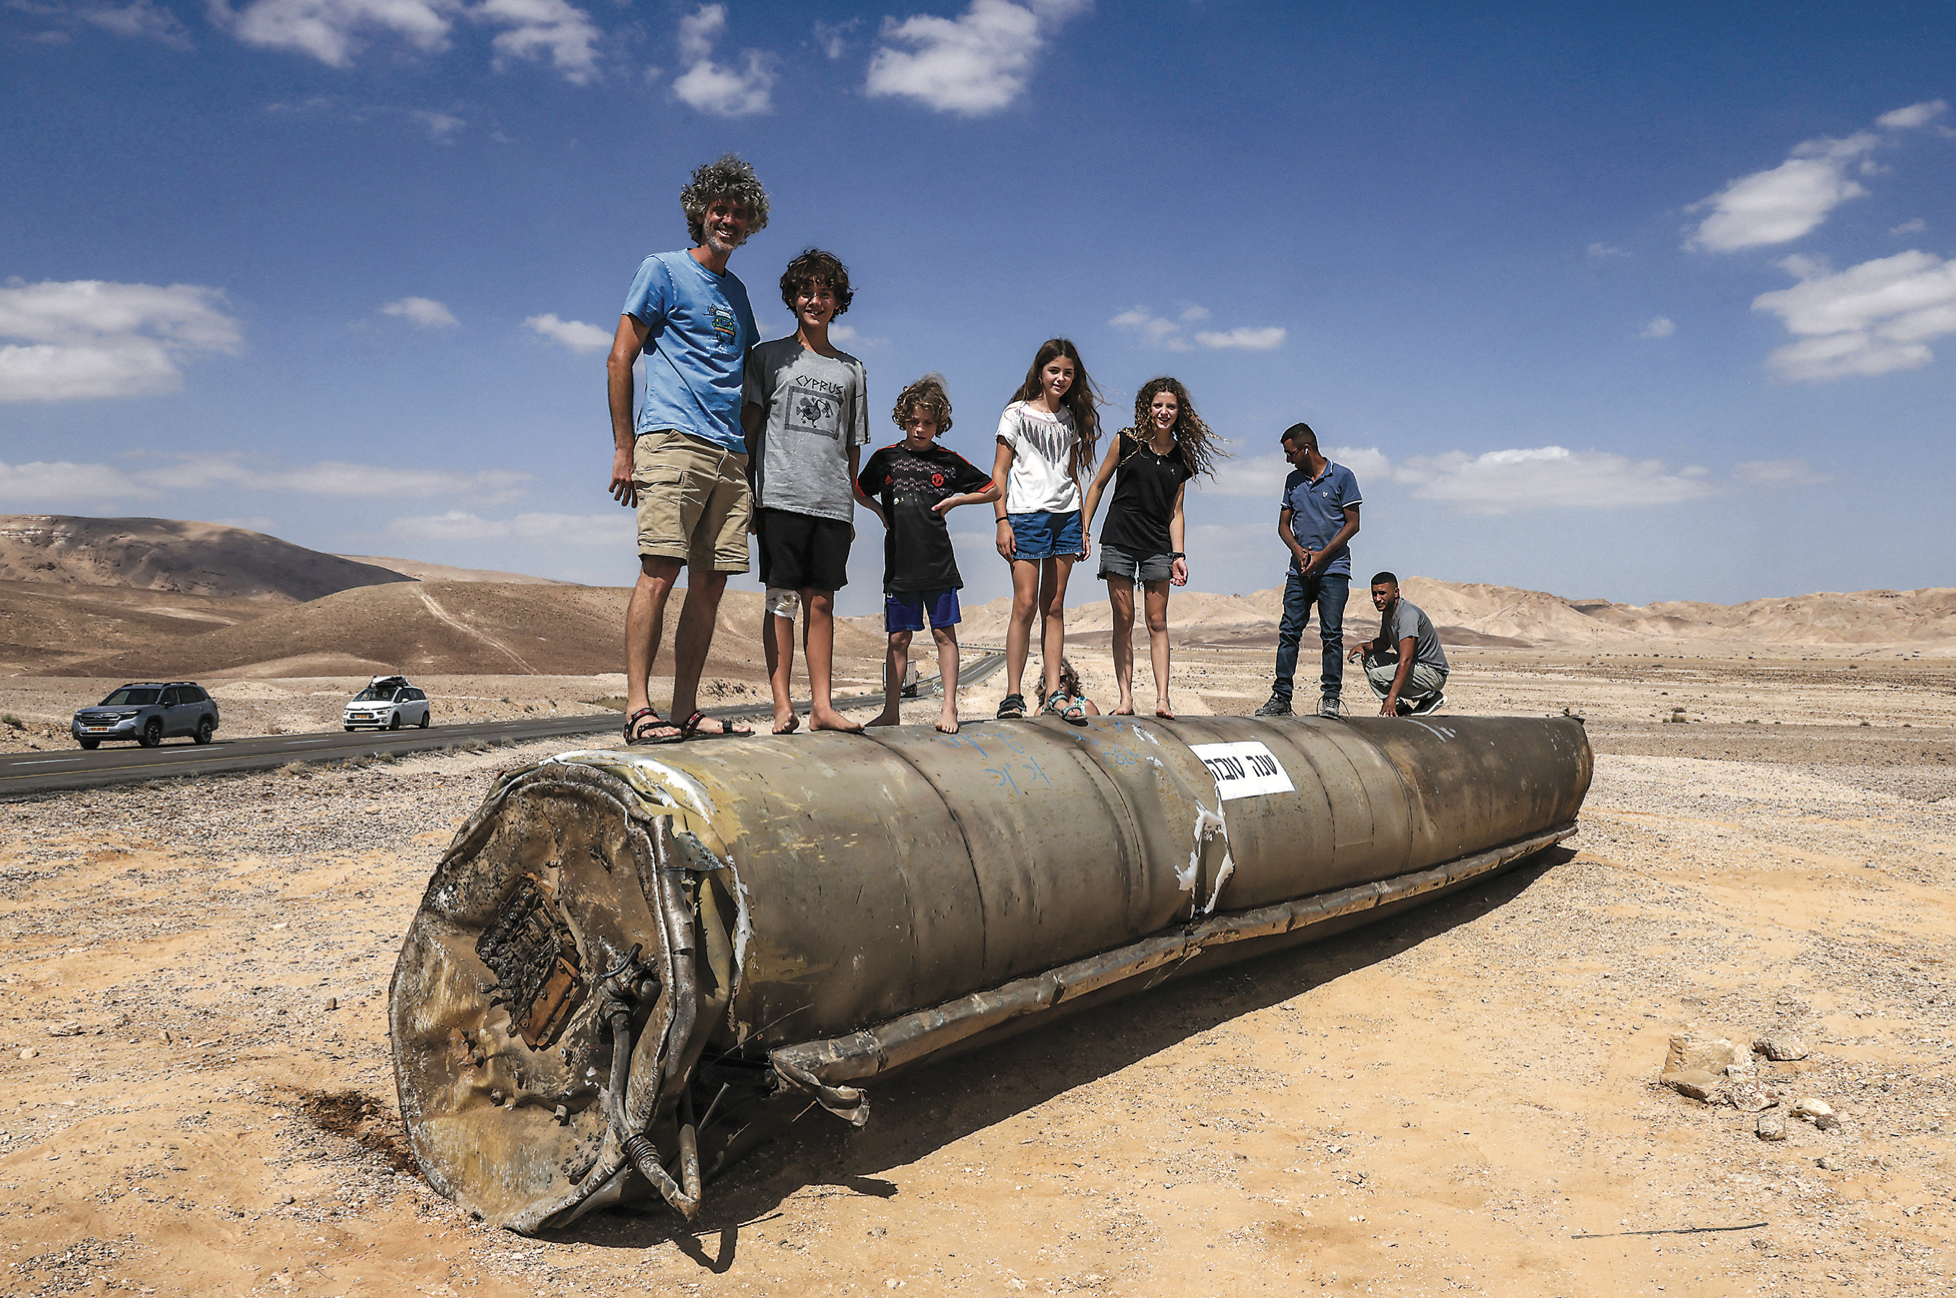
885, 718
1125, 710
830, 719
787, 725
1165, 712
947, 725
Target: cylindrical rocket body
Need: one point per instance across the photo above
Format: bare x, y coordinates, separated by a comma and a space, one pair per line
853, 904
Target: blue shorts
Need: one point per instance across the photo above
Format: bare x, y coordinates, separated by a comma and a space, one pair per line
903, 610
1046, 536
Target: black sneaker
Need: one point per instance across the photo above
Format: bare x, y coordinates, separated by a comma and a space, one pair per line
1431, 703
1331, 706
1278, 706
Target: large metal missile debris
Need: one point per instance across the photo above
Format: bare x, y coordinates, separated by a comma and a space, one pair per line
630, 968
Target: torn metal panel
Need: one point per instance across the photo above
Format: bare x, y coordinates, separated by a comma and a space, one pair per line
626, 970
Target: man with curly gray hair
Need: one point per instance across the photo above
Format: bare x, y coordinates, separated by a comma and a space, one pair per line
681, 457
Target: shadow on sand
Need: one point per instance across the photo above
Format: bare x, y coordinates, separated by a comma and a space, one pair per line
918, 1113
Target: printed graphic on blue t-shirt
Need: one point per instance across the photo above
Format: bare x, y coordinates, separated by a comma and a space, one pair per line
699, 329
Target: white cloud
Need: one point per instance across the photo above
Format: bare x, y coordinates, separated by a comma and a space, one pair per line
169, 477
1785, 202
712, 88
441, 126
1869, 319
57, 482
1257, 475
1263, 475
538, 29
334, 31
842, 333
574, 334
1604, 251
834, 37
613, 529
1512, 481
424, 311
141, 20
1547, 477
83, 339
1660, 327
1914, 225
974, 64
1249, 340
1914, 115
1152, 330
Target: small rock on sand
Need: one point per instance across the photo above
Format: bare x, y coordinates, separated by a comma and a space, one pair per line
1812, 1109
1748, 1097
1780, 1046
1698, 1066
1772, 1124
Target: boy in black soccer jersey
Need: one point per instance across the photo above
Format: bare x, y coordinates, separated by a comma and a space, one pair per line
911, 486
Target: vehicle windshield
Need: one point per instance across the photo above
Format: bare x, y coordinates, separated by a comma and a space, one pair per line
127, 697
384, 694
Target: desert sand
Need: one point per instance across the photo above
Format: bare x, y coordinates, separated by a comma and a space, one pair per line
1465, 1100
192, 976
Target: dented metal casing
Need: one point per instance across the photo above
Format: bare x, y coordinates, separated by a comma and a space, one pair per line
629, 968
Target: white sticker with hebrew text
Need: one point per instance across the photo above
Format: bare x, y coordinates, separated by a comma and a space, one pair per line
1243, 770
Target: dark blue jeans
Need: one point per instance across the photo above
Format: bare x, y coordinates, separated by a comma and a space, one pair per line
1328, 591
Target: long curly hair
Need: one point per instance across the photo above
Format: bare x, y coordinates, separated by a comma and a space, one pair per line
816, 267
1195, 441
1080, 399
927, 394
725, 177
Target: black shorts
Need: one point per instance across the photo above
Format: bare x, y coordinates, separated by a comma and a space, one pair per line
802, 552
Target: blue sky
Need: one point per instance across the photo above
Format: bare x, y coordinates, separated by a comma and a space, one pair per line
1641, 302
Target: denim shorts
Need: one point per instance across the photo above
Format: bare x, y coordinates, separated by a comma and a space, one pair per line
1119, 564
1046, 536
903, 610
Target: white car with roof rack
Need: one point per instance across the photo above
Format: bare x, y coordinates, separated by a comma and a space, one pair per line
388, 703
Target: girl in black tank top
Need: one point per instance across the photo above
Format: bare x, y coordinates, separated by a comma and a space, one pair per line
1150, 465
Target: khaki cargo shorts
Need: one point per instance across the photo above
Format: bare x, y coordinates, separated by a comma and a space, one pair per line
693, 501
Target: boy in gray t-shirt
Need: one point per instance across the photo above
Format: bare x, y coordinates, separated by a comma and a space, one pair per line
805, 412
1405, 666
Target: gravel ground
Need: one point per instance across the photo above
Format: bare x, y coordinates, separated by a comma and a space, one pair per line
1464, 1099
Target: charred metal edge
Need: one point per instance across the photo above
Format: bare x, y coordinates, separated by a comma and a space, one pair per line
862, 1055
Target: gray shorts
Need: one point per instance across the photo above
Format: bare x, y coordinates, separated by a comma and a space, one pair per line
1119, 564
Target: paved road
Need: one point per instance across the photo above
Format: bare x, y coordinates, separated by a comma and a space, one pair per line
49, 772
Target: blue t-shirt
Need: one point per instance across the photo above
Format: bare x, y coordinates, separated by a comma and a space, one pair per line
701, 328
1317, 510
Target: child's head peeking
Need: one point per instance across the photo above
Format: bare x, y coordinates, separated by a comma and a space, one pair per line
813, 277
923, 410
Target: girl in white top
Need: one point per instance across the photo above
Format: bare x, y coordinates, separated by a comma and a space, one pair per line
1046, 441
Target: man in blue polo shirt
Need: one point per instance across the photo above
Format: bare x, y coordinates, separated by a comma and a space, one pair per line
682, 459
1318, 518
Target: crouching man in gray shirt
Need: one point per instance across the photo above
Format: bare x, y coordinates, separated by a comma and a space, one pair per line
1405, 666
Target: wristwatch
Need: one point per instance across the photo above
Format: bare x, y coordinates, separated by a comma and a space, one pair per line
1176, 554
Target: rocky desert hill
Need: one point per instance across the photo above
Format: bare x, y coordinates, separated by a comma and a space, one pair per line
165, 554
1487, 615
486, 628
442, 572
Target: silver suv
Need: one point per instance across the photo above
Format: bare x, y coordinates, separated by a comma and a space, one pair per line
388, 702
148, 712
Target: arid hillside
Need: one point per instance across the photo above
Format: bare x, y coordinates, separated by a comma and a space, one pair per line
443, 572
447, 627
170, 555
1507, 616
